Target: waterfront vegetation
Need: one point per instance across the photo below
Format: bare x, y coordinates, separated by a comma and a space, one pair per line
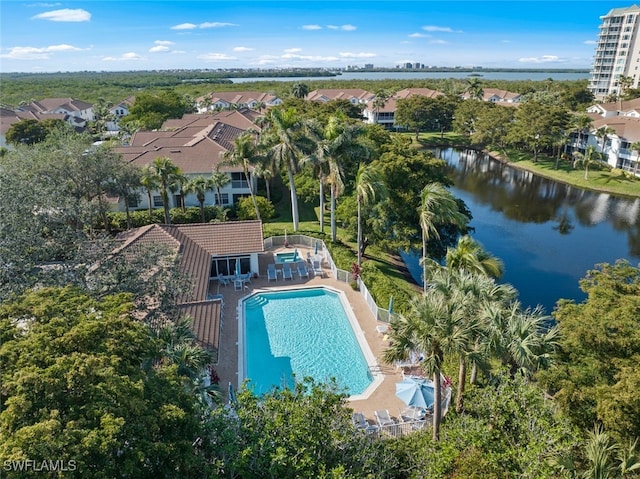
83, 379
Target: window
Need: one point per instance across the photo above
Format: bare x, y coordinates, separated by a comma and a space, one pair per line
226, 266
223, 199
177, 200
157, 201
133, 202
238, 181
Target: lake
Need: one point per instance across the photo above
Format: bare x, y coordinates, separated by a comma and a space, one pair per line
548, 234
423, 75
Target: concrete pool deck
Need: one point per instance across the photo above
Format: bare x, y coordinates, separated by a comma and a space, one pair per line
383, 397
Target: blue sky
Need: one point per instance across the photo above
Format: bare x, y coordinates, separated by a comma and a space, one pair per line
115, 35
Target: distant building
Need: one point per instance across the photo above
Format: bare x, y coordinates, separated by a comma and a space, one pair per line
617, 52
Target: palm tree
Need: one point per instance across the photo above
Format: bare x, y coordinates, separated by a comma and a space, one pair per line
635, 146
166, 173
589, 158
580, 124
318, 163
244, 153
380, 100
474, 88
219, 180
469, 255
435, 328
437, 206
149, 181
284, 150
261, 170
624, 82
199, 186
299, 90
603, 133
369, 187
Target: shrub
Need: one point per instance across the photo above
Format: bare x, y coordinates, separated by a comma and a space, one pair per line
246, 211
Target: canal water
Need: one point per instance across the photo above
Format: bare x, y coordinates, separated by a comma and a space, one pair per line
548, 234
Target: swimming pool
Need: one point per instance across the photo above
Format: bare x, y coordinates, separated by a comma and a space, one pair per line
288, 257
303, 332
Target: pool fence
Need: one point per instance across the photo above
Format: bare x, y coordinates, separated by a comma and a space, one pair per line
381, 314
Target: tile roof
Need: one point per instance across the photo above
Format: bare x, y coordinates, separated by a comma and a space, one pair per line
206, 317
409, 92
328, 94
226, 238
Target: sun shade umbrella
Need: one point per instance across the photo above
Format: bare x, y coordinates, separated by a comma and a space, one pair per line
390, 305
238, 267
415, 392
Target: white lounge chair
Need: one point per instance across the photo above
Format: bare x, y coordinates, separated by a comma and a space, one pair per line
222, 280
383, 418
286, 271
317, 269
361, 423
302, 270
272, 274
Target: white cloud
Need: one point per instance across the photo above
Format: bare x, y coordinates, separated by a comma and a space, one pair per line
268, 59
65, 15
34, 53
506, 41
242, 49
193, 26
542, 59
311, 58
214, 57
438, 42
216, 25
125, 57
164, 42
419, 35
357, 55
346, 28
435, 28
184, 26
43, 5
590, 42
159, 48
293, 50
311, 27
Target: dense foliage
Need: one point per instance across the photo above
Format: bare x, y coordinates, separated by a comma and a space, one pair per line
597, 378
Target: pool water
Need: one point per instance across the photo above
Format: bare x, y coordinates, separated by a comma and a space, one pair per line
301, 332
288, 257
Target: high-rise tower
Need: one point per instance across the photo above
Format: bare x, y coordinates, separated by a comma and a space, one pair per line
616, 63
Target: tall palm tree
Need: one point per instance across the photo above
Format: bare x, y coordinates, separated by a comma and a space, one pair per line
262, 170
624, 82
166, 173
434, 327
602, 134
199, 186
244, 153
318, 163
380, 100
283, 127
299, 90
219, 180
369, 187
149, 181
437, 206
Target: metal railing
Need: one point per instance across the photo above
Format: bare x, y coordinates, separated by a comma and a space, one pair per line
340, 274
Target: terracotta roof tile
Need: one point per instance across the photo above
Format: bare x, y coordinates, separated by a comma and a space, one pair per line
206, 317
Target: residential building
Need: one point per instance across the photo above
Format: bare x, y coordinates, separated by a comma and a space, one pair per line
215, 101
494, 95
617, 52
385, 114
355, 96
196, 144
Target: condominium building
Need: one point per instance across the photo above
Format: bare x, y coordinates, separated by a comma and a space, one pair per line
617, 53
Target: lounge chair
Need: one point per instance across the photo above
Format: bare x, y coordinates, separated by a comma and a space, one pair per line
360, 422
272, 274
317, 269
286, 271
383, 418
222, 280
302, 270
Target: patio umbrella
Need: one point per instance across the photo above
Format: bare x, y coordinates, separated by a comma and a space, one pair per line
415, 392
237, 266
316, 250
390, 305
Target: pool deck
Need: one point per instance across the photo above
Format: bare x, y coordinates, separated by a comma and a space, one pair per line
383, 397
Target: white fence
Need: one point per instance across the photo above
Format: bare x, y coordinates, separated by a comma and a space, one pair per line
340, 274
